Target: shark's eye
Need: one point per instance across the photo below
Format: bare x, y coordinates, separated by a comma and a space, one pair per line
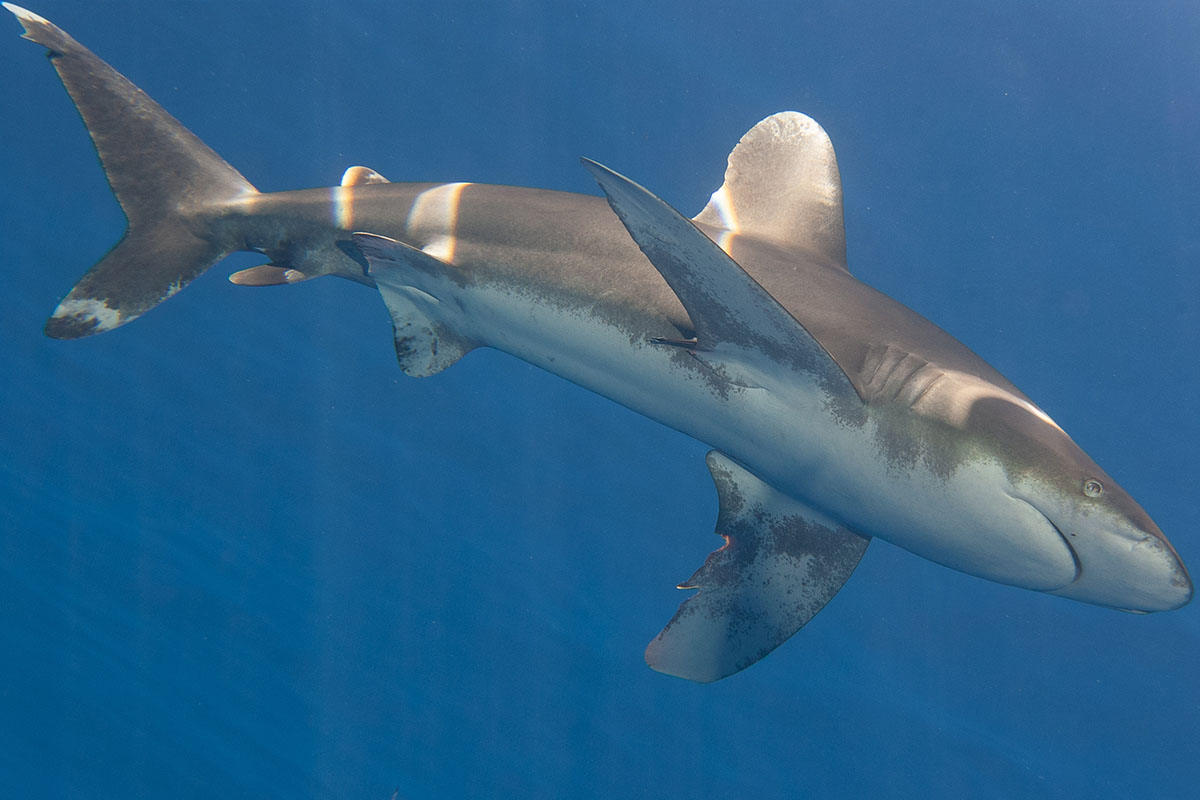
1093, 488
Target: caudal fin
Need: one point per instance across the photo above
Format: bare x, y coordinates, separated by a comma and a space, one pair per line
166, 180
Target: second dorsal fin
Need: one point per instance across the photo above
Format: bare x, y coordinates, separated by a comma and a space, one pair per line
358, 176
782, 185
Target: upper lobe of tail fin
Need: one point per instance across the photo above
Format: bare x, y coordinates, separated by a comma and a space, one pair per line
163, 176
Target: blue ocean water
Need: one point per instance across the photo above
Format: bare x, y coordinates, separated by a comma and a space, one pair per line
242, 555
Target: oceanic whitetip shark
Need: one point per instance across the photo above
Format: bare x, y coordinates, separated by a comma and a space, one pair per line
836, 414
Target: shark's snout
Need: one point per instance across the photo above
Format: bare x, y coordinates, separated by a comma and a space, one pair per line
1180, 588
1139, 576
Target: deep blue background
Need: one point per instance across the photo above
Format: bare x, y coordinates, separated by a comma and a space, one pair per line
241, 554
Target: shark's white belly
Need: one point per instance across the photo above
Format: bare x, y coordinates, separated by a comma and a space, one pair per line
782, 431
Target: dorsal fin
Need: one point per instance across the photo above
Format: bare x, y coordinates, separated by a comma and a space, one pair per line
782, 185
359, 176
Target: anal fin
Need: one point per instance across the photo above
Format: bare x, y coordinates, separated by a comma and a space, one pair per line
427, 338
781, 563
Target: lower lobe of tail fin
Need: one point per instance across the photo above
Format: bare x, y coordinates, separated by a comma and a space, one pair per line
146, 267
166, 180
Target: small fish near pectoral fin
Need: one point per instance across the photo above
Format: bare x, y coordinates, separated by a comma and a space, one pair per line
782, 186
425, 331
781, 563
736, 320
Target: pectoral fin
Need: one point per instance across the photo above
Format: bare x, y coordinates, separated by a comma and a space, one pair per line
428, 335
781, 563
739, 326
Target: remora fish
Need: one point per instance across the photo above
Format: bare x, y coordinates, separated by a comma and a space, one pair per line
836, 413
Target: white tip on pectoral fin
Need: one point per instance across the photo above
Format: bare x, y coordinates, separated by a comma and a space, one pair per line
781, 563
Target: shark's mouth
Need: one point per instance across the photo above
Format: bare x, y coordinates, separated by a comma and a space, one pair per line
1070, 547
1066, 540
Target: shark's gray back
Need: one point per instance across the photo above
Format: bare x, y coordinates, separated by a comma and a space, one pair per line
853, 321
564, 236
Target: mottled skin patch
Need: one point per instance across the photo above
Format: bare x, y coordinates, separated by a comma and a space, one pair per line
906, 441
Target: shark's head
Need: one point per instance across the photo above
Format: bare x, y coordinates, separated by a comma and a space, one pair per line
1123, 560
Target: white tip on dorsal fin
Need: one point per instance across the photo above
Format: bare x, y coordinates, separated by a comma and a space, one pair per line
359, 176
782, 185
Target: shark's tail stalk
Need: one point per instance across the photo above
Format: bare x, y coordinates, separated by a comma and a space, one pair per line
166, 180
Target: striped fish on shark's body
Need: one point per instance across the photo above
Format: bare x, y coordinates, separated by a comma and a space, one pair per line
836, 414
